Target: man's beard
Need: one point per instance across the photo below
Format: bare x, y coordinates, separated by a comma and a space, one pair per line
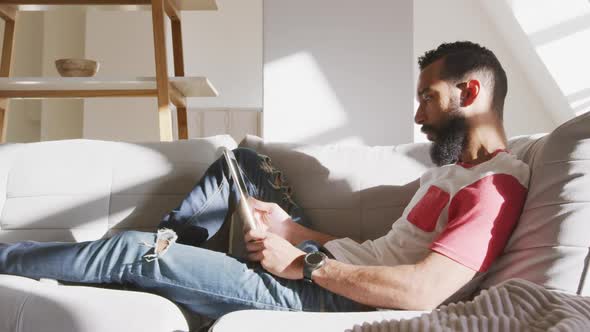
449, 140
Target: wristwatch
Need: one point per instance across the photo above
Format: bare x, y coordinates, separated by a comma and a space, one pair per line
312, 262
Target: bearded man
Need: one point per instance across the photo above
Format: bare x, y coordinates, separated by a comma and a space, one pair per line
455, 226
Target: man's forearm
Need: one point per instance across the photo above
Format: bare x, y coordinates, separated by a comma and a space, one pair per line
376, 286
298, 234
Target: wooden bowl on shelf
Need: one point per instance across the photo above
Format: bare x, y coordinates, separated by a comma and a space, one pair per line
76, 67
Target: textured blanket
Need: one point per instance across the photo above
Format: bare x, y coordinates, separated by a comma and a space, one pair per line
515, 305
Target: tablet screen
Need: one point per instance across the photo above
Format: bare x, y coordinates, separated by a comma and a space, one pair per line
236, 174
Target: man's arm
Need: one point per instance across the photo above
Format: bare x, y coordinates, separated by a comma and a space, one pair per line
422, 286
299, 233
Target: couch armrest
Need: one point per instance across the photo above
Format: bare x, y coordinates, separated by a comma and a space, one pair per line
30, 305
284, 321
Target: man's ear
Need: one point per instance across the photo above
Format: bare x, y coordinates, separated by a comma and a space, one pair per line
469, 92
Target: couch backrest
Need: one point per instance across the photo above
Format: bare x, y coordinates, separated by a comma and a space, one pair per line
356, 191
359, 191
77, 190
551, 244
349, 191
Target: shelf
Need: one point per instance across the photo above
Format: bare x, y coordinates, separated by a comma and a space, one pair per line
84, 87
132, 5
176, 93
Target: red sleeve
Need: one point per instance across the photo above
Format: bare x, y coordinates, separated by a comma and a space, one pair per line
481, 218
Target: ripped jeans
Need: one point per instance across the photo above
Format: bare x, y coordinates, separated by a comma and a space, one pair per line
171, 262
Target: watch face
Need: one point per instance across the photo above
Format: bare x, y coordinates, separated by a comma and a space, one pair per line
314, 258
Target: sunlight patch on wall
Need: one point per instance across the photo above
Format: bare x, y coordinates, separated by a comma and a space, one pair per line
580, 101
299, 86
535, 16
560, 33
568, 63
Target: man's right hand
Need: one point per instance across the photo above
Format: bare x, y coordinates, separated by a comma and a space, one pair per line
270, 217
275, 254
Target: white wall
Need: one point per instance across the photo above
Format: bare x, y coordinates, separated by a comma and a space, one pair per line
436, 22
224, 45
63, 37
550, 40
347, 65
40, 39
24, 115
124, 48
338, 71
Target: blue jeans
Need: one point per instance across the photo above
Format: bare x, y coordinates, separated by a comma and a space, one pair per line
202, 281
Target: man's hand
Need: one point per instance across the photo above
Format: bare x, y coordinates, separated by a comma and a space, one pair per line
275, 254
270, 217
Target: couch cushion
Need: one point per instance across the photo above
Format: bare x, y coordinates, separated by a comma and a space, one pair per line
76, 190
307, 321
29, 305
550, 245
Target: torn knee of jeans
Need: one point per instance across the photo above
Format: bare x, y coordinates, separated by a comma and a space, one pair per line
164, 239
162, 246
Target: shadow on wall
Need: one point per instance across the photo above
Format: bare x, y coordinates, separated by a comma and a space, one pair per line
350, 77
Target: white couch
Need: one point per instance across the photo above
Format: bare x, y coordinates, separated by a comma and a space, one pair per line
81, 189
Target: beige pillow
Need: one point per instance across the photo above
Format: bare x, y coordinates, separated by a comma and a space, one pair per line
550, 244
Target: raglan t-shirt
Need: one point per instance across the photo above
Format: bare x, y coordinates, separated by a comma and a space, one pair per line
464, 212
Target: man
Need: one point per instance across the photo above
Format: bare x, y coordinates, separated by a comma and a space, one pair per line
455, 226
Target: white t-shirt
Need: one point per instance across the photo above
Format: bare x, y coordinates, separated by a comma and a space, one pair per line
465, 212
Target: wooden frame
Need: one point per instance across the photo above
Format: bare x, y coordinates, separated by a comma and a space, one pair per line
7, 48
7, 13
159, 7
44, 4
165, 92
78, 93
164, 111
178, 56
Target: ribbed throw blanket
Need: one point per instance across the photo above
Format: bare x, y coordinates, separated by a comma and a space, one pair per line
515, 305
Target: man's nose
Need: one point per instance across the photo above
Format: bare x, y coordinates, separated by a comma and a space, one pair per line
419, 117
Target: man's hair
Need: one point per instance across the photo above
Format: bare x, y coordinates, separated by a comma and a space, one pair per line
464, 57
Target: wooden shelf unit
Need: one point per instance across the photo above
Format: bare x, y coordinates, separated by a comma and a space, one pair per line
87, 87
168, 90
45, 5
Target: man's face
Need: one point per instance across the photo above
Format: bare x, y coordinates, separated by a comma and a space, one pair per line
440, 116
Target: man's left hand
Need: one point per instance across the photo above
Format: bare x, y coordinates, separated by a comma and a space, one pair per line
275, 254
271, 217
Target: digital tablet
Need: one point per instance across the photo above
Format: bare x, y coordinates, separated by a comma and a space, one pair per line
236, 174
